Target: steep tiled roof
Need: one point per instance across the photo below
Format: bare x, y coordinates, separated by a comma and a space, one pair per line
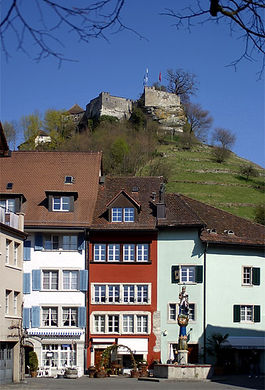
222, 227
112, 186
34, 173
75, 109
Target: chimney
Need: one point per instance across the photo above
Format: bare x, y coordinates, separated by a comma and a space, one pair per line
161, 206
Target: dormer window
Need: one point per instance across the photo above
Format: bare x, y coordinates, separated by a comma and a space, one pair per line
9, 205
61, 203
119, 214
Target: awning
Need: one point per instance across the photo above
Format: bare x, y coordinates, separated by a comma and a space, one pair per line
247, 342
137, 345
52, 333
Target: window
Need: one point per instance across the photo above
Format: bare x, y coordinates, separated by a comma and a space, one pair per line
16, 246
99, 252
121, 322
128, 293
187, 274
142, 252
70, 280
129, 252
50, 280
172, 315
63, 355
99, 324
113, 323
9, 205
7, 301
113, 252
128, 323
116, 214
57, 242
251, 276
69, 316
61, 203
173, 311
142, 294
129, 214
15, 302
49, 316
246, 313
119, 214
142, 326
100, 293
114, 293
8, 244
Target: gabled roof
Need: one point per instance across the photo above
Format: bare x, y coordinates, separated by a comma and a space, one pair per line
219, 227
128, 196
33, 173
75, 109
139, 189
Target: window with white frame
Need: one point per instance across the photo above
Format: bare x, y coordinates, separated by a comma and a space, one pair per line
113, 252
8, 245
128, 323
142, 293
142, 324
99, 323
131, 322
61, 203
128, 293
99, 252
49, 316
9, 205
247, 275
69, 316
16, 246
70, 280
63, 355
100, 293
113, 323
7, 301
173, 309
119, 214
50, 280
129, 252
142, 252
187, 274
113, 293
15, 303
246, 313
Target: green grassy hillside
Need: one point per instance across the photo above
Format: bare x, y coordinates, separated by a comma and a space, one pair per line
195, 174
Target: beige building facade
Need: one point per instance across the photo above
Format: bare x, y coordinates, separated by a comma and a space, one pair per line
11, 295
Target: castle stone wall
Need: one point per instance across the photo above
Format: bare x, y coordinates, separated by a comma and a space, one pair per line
155, 98
105, 104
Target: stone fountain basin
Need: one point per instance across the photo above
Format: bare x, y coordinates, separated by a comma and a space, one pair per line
184, 371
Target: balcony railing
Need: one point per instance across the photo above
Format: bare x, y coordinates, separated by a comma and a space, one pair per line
9, 218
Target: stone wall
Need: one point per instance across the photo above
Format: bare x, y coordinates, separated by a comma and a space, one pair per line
155, 98
105, 104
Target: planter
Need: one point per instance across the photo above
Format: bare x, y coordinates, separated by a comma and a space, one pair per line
71, 373
92, 371
134, 374
143, 370
33, 374
100, 374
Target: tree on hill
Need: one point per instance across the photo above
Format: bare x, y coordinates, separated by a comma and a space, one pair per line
248, 170
181, 83
198, 119
10, 133
222, 140
260, 214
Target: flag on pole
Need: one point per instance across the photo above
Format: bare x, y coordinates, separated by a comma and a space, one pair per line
146, 77
160, 78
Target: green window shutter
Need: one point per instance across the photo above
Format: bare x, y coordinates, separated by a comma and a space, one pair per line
256, 313
256, 276
199, 274
236, 313
175, 274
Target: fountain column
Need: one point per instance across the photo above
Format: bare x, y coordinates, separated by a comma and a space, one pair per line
183, 319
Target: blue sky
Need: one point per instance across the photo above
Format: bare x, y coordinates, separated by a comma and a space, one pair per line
235, 99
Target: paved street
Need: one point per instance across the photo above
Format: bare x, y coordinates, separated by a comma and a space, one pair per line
121, 383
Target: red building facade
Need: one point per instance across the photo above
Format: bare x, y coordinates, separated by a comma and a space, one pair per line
122, 298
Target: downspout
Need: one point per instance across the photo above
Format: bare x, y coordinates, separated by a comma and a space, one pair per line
204, 304
86, 300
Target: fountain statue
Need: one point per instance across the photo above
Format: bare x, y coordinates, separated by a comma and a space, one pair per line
183, 319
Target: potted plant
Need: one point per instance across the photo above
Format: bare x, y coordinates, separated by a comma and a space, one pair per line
91, 371
33, 363
143, 368
217, 347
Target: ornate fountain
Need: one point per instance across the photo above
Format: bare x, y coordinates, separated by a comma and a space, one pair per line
183, 319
